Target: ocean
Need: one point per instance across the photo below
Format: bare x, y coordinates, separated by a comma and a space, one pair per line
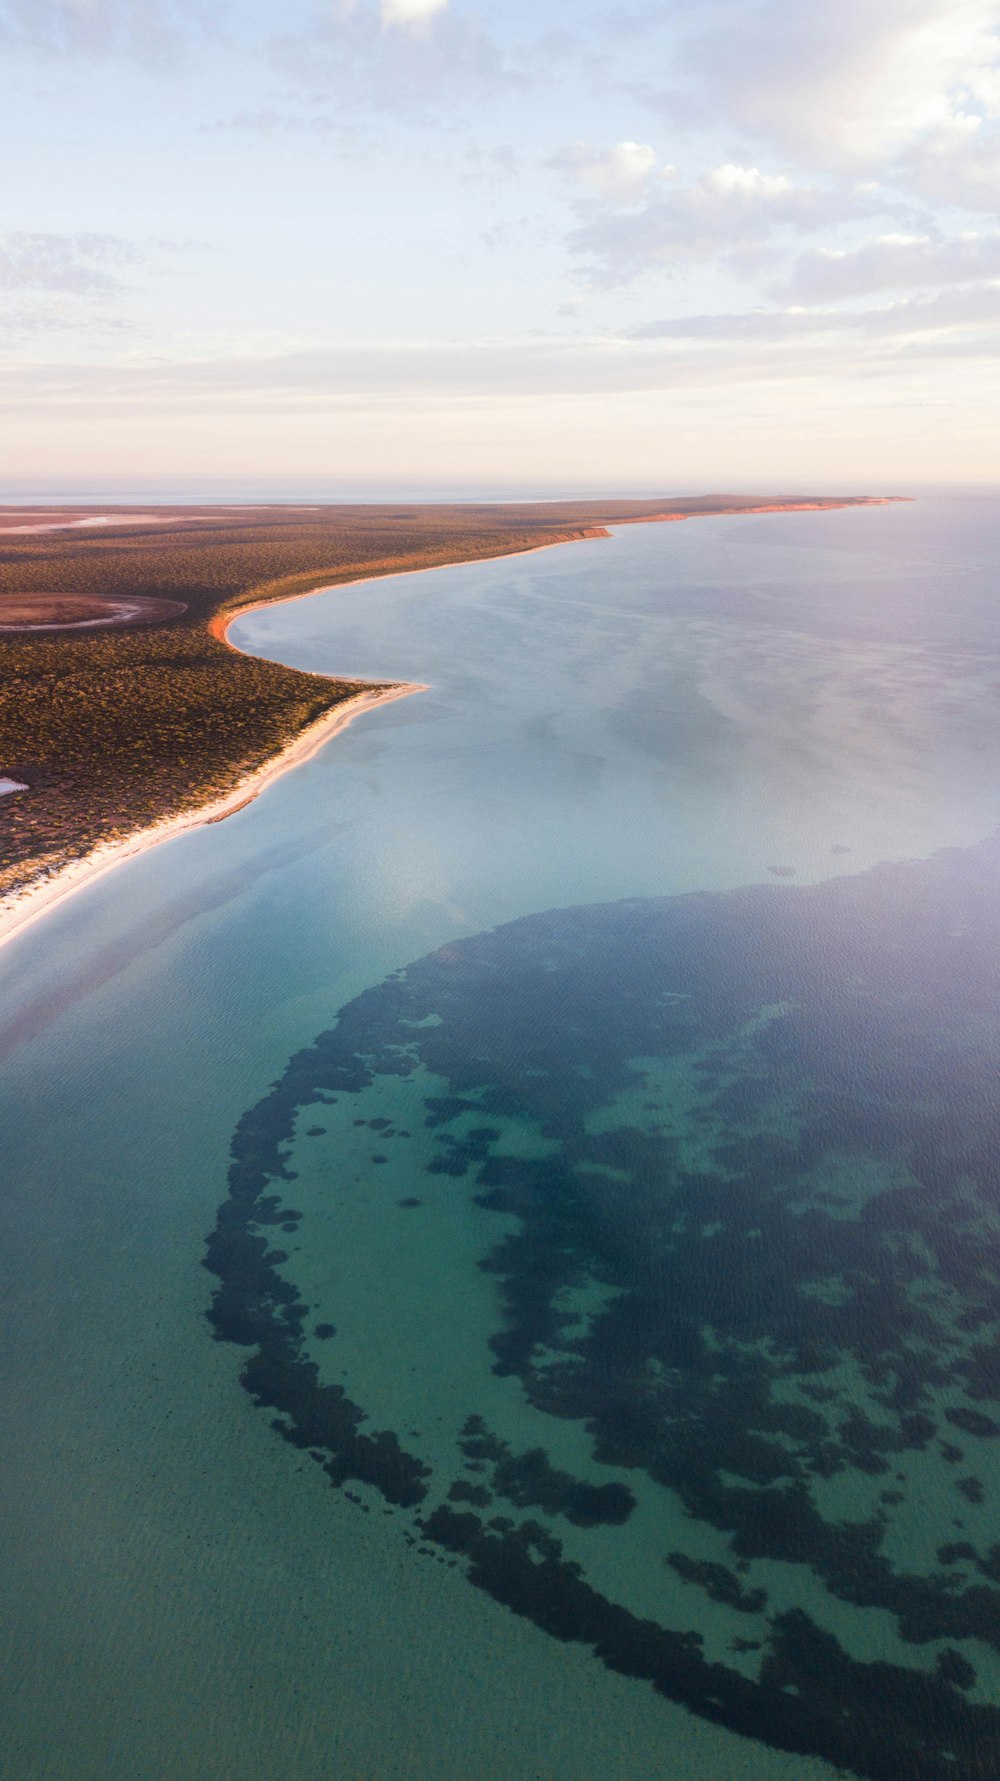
501, 1236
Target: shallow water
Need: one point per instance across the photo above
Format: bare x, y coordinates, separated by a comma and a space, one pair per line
656, 1093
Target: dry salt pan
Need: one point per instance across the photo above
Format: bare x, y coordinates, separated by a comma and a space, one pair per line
11, 785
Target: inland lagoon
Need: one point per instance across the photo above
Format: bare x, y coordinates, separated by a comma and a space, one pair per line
501, 1236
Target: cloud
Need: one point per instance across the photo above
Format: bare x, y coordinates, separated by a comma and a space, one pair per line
147, 29
855, 83
269, 120
957, 164
747, 183
402, 56
825, 274
74, 265
412, 15
966, 314
732, 213
620, 174
826, 350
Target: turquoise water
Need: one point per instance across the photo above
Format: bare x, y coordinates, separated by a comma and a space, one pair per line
609, 1117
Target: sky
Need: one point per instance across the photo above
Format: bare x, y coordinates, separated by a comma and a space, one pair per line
538, 247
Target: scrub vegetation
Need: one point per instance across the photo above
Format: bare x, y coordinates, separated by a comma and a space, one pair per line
112, 729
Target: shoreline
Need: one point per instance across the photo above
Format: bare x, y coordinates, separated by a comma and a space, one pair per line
46, 893
43, 894
219, 625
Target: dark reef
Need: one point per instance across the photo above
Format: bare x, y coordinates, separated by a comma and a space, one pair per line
768, 1166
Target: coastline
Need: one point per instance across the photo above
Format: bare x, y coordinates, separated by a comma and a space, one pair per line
48, 892
27, 906
219, 625
38, 898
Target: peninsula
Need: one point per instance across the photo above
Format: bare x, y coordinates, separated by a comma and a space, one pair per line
124, 712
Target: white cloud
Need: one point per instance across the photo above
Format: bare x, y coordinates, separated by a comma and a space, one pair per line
620, 174
856, 82
412, 15
891, 261
957, 164
73, 265
747, 182
732, 212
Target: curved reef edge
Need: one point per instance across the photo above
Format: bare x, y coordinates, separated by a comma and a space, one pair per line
886, 979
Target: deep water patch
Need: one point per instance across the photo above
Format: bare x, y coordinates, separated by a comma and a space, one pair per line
734, 1164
